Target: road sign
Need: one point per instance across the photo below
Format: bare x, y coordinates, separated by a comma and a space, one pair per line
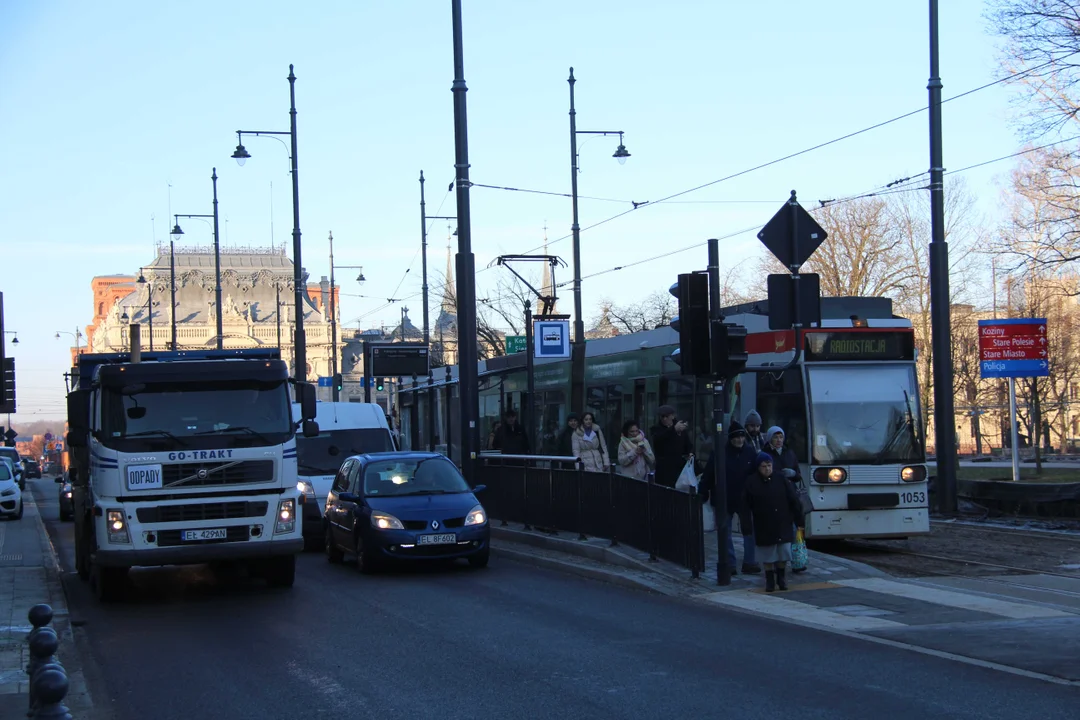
782, 300
7, 402
515, 344
551, 339
792, 235
325, 381
1012, 348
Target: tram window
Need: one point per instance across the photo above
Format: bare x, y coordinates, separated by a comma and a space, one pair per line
781, 401
594, 402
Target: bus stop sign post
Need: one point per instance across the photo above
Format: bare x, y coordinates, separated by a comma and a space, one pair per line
1014, 348
720, 436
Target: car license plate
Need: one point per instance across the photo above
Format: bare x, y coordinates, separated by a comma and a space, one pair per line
205, 534
444, 539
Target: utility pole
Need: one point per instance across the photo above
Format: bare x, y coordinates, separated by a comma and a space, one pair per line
172, 290
335, 394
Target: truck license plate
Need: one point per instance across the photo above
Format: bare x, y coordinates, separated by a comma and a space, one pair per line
205, 534
444, 539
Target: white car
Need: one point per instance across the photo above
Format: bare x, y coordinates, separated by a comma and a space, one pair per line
11, 502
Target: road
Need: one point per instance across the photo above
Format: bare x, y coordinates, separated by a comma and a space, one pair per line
510, 641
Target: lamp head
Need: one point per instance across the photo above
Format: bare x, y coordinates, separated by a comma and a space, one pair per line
176, 230
240, 155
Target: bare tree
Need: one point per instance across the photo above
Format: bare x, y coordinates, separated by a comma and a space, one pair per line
499, 313
656, 310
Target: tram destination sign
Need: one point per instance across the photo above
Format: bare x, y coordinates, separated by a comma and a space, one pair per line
399, 360
832, 346
1014, 347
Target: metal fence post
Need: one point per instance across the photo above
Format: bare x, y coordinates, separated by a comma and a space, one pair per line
580, 484
613, 525
525, 497
485, 463
696, 529
648, 511
551, 502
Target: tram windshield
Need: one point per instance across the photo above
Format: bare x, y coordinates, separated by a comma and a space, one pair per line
866, 414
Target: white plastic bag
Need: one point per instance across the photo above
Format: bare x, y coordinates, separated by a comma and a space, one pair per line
708, 517
687, 478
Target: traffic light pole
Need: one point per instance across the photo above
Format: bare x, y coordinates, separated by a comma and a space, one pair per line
720, 436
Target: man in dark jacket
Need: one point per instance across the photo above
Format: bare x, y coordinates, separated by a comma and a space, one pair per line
671, 444
739, 463
510, 438
566, 436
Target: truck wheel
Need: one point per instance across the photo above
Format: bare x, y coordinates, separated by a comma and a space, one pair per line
82, 557
108, 583
281, 571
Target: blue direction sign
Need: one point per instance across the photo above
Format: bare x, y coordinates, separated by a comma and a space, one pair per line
1013, 348
326, 381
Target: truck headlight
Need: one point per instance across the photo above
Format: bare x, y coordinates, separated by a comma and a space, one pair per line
305, 487
116, 527
476, 516
913, 473
286, 518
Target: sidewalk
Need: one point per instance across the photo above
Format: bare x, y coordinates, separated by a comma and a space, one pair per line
1025, 624
30, 574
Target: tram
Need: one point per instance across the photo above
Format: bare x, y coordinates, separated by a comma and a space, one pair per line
847, 399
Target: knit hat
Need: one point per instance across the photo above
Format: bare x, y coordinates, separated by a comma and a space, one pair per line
772, 431
735, 430
752, 418
762, 457
665, 410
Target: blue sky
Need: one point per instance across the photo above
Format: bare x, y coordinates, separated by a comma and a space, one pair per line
105, 105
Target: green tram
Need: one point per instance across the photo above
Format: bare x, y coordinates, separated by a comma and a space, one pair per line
851, 389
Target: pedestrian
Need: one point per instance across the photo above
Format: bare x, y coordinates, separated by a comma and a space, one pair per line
775, 509
738, 465
549, 441
671, 445
510, 438
783, 457
636, 456
752, 422
566, 436
492, 435
589, 445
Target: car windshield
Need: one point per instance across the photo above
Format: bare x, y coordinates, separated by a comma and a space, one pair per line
424, 476
204, 414
5, 471
864, 414
324, 454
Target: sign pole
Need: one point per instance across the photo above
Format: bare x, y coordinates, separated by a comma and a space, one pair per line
720, 430
1014, 425
530, 391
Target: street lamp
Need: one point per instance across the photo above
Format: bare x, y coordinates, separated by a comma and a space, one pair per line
577, 385
241, 155
335, 393
430, 432
15, 340
176, 233
149, 305
77, 335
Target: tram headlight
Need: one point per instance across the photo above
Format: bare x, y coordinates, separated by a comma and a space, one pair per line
913, 473
830, 475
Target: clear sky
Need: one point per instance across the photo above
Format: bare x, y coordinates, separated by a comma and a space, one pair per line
106, 105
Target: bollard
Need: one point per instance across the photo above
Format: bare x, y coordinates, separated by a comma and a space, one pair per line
43, 648
50, 687
39, 616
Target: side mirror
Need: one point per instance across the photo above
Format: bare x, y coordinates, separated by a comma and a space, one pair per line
310, 429
479, 488
78, 412
348, 497
305, 395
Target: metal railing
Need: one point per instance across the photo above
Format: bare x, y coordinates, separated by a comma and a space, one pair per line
556, 493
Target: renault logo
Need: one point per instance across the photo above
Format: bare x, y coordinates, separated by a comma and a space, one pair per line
202, 474
434, 524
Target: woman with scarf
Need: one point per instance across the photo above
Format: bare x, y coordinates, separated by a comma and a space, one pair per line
635, 453
775, 508
786, 464
589, 445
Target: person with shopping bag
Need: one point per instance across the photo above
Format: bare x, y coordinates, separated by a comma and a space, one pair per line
776, 511
787, 464
738, 464
672, 445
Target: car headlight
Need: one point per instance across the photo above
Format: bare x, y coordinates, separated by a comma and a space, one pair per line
385, 521
305, 487
476, 516
10, 491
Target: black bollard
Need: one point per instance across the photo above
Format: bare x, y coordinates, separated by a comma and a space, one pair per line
43, 649
39, 616
50, 686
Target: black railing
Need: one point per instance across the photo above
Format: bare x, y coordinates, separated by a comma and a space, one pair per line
556, 494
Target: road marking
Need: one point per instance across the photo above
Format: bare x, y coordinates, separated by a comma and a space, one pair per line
798, 612
336, 695
1004, 608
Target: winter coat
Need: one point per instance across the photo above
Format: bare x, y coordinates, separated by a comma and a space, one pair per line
511, 440
566, 442
593, 452
774, 507
739, 462
671, 449
631, 463
784, 458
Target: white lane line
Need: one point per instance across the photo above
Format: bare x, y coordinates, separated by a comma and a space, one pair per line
949, 598
797, 611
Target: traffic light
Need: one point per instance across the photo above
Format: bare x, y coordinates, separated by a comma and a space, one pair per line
379, 384
728, 349
692, 323
337, 382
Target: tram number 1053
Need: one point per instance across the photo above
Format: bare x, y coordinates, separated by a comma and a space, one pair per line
913, 497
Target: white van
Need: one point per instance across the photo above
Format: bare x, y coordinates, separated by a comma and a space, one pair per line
345, 429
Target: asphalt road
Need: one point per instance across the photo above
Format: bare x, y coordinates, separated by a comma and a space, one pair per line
509, 641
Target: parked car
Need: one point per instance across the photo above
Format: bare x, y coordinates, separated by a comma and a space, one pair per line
404, 506
15, 460
11, 503
67, 508
31, 468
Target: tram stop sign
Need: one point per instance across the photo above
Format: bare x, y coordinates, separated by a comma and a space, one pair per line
792, 235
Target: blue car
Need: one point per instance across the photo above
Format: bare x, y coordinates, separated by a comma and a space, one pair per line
402, 506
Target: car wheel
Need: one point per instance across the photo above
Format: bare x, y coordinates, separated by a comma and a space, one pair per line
281, 571
365, 560
108, 583
333, 552
18, 515
480, 559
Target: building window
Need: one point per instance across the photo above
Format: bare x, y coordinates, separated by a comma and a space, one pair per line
100, 309
1074, 391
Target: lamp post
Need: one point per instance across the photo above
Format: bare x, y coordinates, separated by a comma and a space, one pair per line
177, 232
15, 340
427, 322
77, 335
149, 305
172, 292
125, 320
241, 155
577, 385
468, 382
335, 394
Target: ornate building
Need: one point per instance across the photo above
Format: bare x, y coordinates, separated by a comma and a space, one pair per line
257, 305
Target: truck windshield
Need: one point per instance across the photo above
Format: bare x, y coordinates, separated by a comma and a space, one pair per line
865, 414
204, 414
324, 454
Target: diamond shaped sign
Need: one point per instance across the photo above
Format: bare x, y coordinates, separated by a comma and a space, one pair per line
792, 235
